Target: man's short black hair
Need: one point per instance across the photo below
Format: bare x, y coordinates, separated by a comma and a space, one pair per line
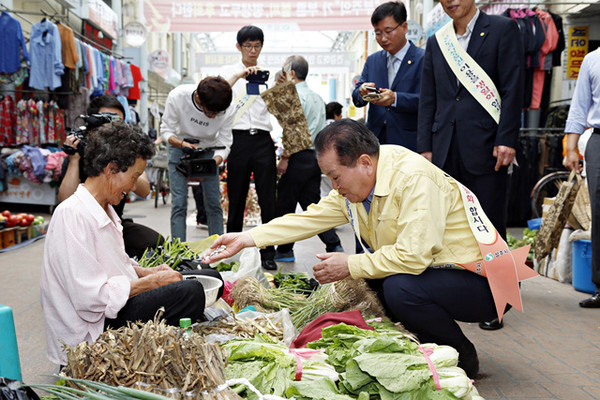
214, 93
349, 138
299, 65
251, 33
332, 109
106, 100
395, 9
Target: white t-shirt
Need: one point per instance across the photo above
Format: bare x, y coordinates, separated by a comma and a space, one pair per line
184, 119
256, 116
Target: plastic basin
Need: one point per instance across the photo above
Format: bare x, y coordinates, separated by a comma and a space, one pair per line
211, 287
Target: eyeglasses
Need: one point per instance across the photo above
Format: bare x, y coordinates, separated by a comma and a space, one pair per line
252, 47
386, 33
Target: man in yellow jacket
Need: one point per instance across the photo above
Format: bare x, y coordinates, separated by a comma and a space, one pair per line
411, 216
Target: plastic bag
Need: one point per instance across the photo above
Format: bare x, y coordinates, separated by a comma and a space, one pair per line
14, 390
250, 265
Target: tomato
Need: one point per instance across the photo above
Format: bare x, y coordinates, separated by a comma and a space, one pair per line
11, 221
6, 213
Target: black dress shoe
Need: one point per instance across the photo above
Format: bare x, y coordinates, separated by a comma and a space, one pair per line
492, 325
269, 265
592, 302
468, 360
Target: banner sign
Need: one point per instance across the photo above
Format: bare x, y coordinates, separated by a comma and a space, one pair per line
275, 60
577, 48
230, 16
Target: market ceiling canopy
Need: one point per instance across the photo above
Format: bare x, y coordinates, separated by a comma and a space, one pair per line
230, 16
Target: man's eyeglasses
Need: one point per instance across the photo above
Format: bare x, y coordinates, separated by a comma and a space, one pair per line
387, 32
252, 47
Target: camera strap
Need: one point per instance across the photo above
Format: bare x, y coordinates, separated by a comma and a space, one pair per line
241, 103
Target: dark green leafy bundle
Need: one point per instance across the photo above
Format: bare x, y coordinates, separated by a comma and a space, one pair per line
223, 266
297, 281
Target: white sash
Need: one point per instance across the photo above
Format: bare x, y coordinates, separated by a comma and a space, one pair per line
353, 214
468, 72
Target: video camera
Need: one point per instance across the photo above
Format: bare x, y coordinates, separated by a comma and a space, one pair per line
255, 80
91, 121
194, 165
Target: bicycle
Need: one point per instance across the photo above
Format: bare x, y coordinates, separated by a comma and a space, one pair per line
161, 185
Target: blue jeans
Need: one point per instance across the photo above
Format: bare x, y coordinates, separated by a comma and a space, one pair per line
179, 191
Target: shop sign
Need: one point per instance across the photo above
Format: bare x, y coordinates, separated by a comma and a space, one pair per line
22, 190
134, 34
414, 32
159, 59
436, 18
577, 48
230, 15
96, 36
276, 60
101, 15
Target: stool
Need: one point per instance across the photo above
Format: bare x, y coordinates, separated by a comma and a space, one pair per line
10, 366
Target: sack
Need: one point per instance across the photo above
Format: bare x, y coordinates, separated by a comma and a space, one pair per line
13, 390
581, 214
556, 218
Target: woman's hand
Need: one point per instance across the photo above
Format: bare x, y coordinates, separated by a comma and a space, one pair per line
233, 242
332, 268
153, 278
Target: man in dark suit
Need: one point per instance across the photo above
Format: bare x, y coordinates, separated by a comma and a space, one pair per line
396, 72
455, 131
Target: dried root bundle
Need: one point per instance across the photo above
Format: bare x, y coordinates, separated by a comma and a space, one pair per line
249, 292
153, 357
242, 327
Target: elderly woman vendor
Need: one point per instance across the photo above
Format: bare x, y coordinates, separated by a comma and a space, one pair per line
88, 282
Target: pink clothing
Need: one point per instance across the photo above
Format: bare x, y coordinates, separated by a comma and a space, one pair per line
86, 273
539, 74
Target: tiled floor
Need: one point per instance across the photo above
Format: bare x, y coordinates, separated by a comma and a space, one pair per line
552, 351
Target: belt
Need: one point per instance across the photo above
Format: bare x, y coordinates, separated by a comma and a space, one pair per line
250, 132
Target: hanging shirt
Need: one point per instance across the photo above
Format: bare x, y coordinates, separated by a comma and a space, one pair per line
134, 91
12, 42
46, 56
68, 47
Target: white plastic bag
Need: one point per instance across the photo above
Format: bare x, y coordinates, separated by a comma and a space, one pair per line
250, 265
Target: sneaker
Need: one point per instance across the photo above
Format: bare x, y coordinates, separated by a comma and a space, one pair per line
269, 265
336, 249
285, 257
200, 225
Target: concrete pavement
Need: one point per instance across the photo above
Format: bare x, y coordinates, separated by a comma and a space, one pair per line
552, 351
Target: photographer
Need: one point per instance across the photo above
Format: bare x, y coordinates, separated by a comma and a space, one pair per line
199, 113
137, 237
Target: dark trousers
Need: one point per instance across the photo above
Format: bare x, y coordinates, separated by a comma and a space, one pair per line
301, 183
592, 170
251, 154
138, 238
429, 304
490, 188
183, 299
199, 199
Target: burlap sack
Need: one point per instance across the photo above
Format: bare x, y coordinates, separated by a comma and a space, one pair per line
556, 218
283, 102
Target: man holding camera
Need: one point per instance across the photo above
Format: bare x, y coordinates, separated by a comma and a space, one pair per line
104, 109
197, 117
253, 150
392, 77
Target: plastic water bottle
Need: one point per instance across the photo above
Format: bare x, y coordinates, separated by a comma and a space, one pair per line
10, 366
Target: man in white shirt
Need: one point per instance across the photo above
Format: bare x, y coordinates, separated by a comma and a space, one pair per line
584, 112
253, 150
201, 113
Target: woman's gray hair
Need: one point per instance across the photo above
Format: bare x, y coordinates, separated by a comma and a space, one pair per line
117, 142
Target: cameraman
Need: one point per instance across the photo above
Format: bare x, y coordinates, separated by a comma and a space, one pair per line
136, 237
202, 113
